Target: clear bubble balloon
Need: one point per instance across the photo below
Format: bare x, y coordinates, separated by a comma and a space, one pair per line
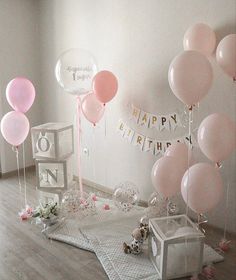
74, 204
156, 205
75, 70
126, 195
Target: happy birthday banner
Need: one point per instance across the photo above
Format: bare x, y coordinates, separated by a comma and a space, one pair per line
147, 144
160, 122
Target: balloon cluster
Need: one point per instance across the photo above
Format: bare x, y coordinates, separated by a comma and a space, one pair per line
15, 126
190, 78
76, 72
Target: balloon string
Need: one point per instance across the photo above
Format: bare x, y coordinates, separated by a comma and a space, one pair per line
190, 120
105, 136
79, 144
201, 219
16, 150
190, 116
226, 210
24, 174
94, 149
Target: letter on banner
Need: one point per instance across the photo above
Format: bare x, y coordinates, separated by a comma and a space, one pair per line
168, 144
153, 121
165, 122
121, 127
144, 119
158, 147
174, 121
148, 145
129, 134
135, 113
189, 138
138, 140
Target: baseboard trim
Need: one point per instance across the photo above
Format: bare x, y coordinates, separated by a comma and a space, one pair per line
14, 172
104, 189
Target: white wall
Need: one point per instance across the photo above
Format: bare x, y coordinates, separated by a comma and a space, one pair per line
137, 41
19, 56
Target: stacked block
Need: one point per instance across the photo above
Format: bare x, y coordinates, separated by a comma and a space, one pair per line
175, 246
53, 146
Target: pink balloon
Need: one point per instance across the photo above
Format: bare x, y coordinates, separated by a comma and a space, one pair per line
226, 55
166, 176
190, 77
20, 94
200, 37
179, 151
202, 187
217, 137
15, 128
92, 108
105, 86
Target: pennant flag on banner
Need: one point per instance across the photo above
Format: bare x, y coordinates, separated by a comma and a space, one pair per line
121, 127
149, 144
153, 121
174, 120
138, 140
135, 113
144, 119
160, 122
129, 134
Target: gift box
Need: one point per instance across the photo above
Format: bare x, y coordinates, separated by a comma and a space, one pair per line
175, 246
50, 197
52, 141
54, 175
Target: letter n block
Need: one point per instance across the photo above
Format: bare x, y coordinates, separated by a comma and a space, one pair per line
53, 175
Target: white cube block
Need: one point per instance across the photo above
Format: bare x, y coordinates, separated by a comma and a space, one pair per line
52, 141
48, 197
54, 176
175, 246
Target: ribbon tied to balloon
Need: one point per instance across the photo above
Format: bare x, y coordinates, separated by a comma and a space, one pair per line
77, 73
20, 94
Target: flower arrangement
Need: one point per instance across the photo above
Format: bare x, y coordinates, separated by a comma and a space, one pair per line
46, 211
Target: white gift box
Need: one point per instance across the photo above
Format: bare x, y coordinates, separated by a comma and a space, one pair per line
48, 197
54, 175
175, 246
52, 141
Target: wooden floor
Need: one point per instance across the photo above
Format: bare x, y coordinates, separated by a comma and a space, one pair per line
25, 254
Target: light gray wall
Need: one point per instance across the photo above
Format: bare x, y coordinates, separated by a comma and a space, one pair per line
19, 56
136, 40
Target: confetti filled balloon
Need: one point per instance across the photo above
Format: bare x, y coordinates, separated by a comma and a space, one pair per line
74, 204
158, 206
126, 195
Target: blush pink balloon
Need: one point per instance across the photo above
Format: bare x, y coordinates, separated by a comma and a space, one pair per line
20, 94
92, 108
200, 37
180, 151
226, 55
166, 176
105, 86
15, 128
217, 137
202, 187
190, 77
